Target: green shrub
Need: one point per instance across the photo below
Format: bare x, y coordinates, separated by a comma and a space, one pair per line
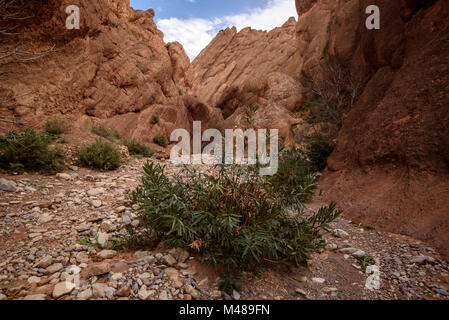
137, 149
109, 134
154, 119
56, 127
233, 219
161, 140
295, 179
99, 155
30, 150
318, 150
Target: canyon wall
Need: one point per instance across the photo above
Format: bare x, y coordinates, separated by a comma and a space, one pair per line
250, 67
115, 67
390, 167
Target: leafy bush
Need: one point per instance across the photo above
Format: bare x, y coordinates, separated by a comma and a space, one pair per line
109, 134
56, 127
99, 155
318, 150
135, 148
154, 119
161, 140
30, 150
234, 219
296, 179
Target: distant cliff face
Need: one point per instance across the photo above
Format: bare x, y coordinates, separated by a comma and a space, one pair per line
116, 65
250, 67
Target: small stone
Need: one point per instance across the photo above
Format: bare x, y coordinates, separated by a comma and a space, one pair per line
329, 290
82, 257
96, 203
44, 218
359, 254
340, 233
349, 250
117, 276
107, 254
191, 291
102, 239
44, 262
85, 295
95, 192
318, 280
64, 176
135, 223
169, 260
422, 260
34, 279
373, 281
55, 268
441, 291
107, 226
82, 227
173, 275
300, 291
35, 297
7, 185
124, 291
100, 290
62, 289
143, 294
235, 295
99, 269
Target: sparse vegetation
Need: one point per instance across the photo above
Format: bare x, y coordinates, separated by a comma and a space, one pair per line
142, 68
154, 119
160, 140
318, 150
99, 155
333, 90
109, 134
30, 150
180, 91
112, 24
137, 149
250, 117
365, 261
296, 180
56, 127
237, 219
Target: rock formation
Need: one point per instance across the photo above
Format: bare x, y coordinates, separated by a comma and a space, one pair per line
390, 167
250, 67
116, 66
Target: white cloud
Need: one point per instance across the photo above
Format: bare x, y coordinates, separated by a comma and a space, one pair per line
195, 34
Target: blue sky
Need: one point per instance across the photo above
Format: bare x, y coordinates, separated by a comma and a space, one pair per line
194, 23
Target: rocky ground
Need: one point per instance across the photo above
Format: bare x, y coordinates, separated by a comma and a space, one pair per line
56, 230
